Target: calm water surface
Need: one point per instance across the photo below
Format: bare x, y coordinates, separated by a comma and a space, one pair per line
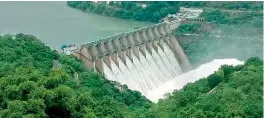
55, 23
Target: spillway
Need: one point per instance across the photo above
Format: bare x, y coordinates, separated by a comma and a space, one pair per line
172, 59
145, 72
142, 74
142, 59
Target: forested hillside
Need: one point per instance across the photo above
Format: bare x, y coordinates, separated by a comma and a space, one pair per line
155, 10
31, 87
229, 92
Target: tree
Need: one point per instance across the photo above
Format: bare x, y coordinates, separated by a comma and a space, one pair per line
27, 91
226, 100
156, 16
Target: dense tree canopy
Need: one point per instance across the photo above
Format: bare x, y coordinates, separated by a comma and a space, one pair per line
155, 10
143, 11
229, 92
228, 5
231, 17
31, 87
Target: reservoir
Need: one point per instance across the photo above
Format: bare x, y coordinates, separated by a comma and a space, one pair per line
56, 24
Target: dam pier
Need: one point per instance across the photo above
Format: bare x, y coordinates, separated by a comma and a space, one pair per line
142, 59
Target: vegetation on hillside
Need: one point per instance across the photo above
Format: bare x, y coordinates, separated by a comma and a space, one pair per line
188, 28
155, 10
236, 18
227, 5
229, 92
31, 87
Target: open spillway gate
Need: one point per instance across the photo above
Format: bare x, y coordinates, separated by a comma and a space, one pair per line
142, 59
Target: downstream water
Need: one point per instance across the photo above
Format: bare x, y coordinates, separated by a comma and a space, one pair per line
180, 81
55, 23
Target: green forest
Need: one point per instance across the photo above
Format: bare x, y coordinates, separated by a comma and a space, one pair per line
128, 10
229, 92
155, 10
31, 85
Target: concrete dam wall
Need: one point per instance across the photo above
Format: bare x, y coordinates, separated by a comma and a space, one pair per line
142, 59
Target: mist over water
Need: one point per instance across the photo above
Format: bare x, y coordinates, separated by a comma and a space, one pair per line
207, 51
222, 45
159, 72
180, 81
222, 42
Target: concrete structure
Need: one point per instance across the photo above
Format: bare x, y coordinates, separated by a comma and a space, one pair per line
140, 40
142, 59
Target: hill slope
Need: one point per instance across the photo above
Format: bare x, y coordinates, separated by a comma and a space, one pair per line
155, 10
229, 92
31, 87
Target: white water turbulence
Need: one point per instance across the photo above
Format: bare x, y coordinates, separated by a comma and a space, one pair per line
158, 72
144, 72
180, 81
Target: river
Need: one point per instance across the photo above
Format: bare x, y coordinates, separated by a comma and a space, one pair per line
55, 23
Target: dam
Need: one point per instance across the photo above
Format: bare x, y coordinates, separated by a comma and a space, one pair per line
142, 59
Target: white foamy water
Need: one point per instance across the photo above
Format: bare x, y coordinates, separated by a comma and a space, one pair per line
178, 82
158, 72
108, 73
152, 66
166, 62
117, 73
155, 56
144, 73
172, 59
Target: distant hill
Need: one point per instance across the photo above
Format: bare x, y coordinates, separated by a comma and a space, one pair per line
155, 10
